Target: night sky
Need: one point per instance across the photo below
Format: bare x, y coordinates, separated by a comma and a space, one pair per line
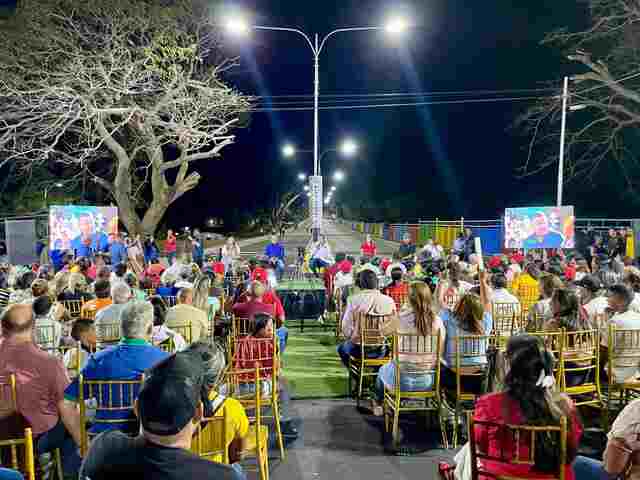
438, 161
441, 161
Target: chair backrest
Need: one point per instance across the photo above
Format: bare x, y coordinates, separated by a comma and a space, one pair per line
114, 396
45, 336
8, 396
624, 352
471, 360
73, 307
108, 332
210, 439
581, 354
528, 296
149, 292
89, 313
171, 301
553, 342
263, 352
370, 329
18, 454
505, 318
184, 329
519, 446
240, 327
417, 354
451, 300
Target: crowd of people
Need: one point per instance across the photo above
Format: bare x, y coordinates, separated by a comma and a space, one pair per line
161, 319
426, 291
168, 319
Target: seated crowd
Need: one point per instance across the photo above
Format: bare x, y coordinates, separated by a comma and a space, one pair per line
98, 349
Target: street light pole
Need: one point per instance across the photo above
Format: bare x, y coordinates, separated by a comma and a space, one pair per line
563, 129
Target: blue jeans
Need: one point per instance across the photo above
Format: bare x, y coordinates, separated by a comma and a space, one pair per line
58, 437
586, 468
408, 383
350, 349
283, 336
316, 264
8, 474
279, 268
239, 472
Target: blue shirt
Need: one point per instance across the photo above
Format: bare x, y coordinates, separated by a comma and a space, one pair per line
99, 243
118, 253
197, 252
126, 361
274, 250
150, 253
167, 291
453, 331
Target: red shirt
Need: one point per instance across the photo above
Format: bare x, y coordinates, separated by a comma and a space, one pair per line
384, 264
250, 308
154, 272
170, 244
399, 293
252, 350
41, 381
368, 249
495, 261
517, 257
260, 274
92, 271
500, 408
270, 298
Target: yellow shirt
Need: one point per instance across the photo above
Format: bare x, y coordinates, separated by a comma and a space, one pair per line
237, 425
527, 289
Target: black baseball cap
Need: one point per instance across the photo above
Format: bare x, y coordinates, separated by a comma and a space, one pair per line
171, 394
590, 282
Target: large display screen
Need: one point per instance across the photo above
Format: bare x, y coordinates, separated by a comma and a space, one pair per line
83, 230
539, 227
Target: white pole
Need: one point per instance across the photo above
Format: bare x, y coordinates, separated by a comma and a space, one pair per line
316, 126
565, 98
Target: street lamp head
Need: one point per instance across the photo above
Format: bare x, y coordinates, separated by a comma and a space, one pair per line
338, 176
302, 177
349, 148
306, 188
59, 185
326, 201
396, 26
237, 26
288, 150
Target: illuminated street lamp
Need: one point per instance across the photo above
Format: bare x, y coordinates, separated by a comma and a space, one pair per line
339, 176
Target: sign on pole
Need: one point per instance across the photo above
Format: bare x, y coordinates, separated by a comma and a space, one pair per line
316, 201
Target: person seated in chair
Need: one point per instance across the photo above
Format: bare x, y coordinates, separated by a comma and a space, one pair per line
369, 301
169, 408
471, 316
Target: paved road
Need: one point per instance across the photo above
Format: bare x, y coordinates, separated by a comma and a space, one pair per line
341, 238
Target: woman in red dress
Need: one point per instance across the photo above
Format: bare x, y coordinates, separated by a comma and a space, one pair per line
528, 399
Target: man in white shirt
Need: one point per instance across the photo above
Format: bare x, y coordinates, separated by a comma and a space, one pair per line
501, 294
591, 297
186, 319
321, 256
185, 278
120, 294
620, 298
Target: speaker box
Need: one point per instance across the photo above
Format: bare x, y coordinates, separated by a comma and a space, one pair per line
21, 241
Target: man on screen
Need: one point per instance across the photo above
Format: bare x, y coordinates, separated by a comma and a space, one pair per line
542, 236
88, 243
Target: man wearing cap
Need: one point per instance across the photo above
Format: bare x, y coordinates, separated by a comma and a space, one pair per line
126, 361
593, 302
169, 408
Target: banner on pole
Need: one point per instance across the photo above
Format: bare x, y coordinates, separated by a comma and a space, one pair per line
315, 183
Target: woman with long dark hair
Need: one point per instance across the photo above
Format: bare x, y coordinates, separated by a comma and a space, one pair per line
528, 399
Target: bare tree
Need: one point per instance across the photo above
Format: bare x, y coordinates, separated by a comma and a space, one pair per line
284, 211
607, 89
126, 92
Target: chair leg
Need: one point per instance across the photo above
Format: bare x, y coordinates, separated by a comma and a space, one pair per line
456, 418
58, 458
276, 418
396, 418
360, 382
443, 427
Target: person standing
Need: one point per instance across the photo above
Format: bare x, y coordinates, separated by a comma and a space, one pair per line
197, 250
230, 253
135, 254
276, 254
321, 256
368, 249
170, 247
117, 249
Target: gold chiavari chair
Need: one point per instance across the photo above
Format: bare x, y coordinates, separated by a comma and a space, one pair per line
372, 343
450, 301
528, 296
18, 454
108, 333
257, 441
552, 342
89, 313
470, 367
8, 401
580, 355
521, 438
47, 337
623, 358
505, 317
73, 308
414, 355
149, 292
210, 439
262, 352
112, 398
184, 329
